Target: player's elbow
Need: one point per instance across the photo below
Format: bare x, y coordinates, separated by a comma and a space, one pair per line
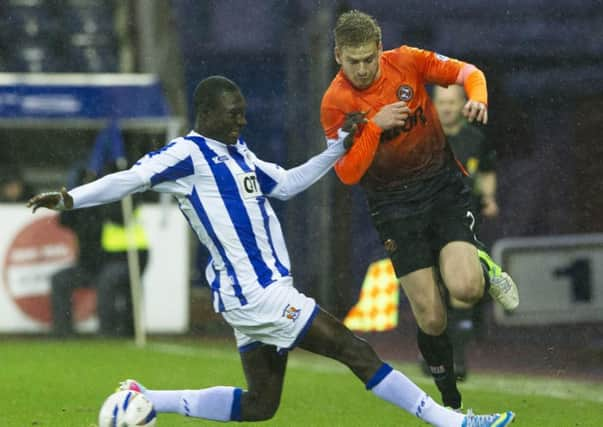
465, 72
282, 193
283, 196
349, 181
348, 177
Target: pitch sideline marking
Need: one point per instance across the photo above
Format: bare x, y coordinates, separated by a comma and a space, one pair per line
546, 387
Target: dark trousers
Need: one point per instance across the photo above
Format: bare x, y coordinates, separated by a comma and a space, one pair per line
114, 302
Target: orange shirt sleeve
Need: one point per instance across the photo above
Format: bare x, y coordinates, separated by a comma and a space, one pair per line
331, 119
352, 166
435, 68
475, 86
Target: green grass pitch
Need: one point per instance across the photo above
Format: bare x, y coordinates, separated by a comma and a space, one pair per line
63, 384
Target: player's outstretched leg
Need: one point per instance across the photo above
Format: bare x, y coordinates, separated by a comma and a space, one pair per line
327, 336
214, 403
500, 285
264, 370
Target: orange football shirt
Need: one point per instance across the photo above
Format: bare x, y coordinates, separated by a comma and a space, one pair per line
405, 153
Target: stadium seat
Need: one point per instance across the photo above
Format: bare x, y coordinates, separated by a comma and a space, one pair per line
91, 59
93, 18
78, 36
33, 58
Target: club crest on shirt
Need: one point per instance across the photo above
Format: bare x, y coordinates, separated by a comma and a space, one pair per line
390, 245
405, 93
291, 312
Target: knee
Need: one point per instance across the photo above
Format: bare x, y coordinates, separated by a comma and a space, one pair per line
266, 411
468, 288
259, 408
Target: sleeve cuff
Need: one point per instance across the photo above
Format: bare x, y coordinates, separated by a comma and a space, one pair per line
341, 134
372, 127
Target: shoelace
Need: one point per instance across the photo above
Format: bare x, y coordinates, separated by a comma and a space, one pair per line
478, 420
505, 285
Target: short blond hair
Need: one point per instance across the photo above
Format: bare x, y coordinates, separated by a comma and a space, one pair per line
355, 28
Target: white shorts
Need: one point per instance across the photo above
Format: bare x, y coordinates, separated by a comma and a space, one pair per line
279, 315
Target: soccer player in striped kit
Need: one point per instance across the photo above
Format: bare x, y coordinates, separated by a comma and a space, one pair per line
221, 188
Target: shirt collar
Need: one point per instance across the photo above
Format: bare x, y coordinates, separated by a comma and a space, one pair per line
214, 141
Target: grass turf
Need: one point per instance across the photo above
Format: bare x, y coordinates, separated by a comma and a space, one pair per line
63, 384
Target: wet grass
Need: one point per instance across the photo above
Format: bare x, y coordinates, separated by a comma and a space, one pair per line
63, 384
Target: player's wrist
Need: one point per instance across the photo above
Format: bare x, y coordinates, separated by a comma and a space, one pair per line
66, 200
60, 206
479, 101
373, 126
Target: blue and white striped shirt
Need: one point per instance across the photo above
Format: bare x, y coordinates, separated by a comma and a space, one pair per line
221, 190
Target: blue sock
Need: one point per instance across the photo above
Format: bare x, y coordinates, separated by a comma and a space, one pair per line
216, 403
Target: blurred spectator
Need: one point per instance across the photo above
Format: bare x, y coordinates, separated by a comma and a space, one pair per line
471, 149
102, 264
13, 188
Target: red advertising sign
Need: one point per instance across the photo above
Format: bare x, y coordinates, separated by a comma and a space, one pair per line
40, 249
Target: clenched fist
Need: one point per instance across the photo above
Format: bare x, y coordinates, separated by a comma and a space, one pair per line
392, 115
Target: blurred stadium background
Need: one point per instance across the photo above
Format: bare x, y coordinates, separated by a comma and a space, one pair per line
544, 64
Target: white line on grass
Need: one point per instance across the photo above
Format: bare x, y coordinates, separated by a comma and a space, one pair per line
512, 384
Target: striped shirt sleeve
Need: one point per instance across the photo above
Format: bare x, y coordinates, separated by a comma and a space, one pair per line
166, 165
285, 183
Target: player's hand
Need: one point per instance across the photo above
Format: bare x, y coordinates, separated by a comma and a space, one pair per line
352, 120
474, 110
55, 200
392, 115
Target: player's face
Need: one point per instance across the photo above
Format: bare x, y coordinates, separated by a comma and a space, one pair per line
227, 119
360, 64
449, 102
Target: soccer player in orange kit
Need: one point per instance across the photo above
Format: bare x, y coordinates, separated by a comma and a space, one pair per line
418, 201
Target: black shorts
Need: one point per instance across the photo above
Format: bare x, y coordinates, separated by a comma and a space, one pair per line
415, 228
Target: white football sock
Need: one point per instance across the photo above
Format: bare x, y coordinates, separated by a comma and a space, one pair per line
437, 415
393, 386
215, 403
